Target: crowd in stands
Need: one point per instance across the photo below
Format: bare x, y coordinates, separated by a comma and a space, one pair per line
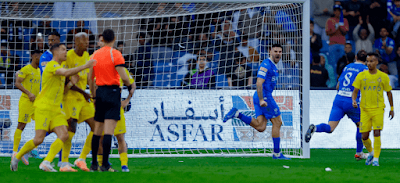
339, 29
171, 51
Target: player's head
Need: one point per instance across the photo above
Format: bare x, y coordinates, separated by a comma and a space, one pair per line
108, 36
361, 56
35, 54
80, 24
363, 34
372, 60
276, 52
100, 43
202, 61
54, 38
59, 52
141, 38
81, 41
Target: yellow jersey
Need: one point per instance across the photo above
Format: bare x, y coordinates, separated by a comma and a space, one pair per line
372, 87
131, 80
52, 92
73, 60
31, 79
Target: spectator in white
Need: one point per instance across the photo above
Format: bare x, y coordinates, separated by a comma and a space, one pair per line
364, 41
241, 74
393, 79
183, 62
250, 25
248, 51
315, 40
322, 12
384, 47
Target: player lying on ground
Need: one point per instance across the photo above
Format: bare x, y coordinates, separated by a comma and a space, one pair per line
76, 105
48, 114
264, 104
28, 81
342, 105
372, 83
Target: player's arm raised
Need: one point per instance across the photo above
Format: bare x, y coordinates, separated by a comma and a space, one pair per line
73, 71
18, 84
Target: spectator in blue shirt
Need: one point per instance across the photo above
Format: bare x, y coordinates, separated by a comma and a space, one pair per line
394, 11
384, 46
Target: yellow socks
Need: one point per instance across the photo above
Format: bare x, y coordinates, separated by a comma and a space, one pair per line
54, 149
66, 150
17, 139
100, 159
377, 147
87, 147
28, 146
124, 159
367, 143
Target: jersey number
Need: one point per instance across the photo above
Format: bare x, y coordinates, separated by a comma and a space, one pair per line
347, 77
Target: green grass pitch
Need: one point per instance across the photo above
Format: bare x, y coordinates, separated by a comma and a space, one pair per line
224, 169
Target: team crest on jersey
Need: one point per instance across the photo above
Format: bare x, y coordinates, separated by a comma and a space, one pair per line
379, 79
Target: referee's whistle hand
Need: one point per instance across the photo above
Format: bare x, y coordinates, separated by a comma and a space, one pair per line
355, 104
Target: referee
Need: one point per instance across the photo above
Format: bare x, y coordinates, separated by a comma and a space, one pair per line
107, 71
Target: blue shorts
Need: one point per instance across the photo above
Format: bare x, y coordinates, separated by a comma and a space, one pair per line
342, 107
271, 111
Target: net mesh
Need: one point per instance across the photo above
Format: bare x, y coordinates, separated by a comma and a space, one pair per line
172, 112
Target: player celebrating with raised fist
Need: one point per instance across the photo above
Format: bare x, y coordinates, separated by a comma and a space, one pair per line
264, 104
372, 83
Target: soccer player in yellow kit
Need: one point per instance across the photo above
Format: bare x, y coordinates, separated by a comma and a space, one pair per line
75, 105
28, 81
48, 114
372, 83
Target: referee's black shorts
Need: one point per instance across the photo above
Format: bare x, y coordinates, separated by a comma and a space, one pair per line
108, 103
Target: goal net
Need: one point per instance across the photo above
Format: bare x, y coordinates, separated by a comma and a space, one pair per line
192, 62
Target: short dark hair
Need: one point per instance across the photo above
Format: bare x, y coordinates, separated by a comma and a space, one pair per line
246, 37
349, 44
276, 45
55, 33
108, 35
373, 54
141, 34
362, 55
239, 56
55, 46
120, 42
316, 59
311, 22
36, 51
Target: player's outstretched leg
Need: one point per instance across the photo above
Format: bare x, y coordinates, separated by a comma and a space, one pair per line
234, 113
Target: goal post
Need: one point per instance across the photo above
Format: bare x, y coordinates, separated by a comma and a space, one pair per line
173, 112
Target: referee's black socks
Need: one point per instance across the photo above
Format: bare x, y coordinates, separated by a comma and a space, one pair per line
95, 149
106, 149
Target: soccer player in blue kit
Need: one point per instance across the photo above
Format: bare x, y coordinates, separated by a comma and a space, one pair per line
342, 105
264, 104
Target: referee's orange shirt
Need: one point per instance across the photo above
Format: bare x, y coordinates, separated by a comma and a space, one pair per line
104, 70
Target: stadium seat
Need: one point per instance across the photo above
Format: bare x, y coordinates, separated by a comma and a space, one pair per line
161, 53
325, 47
27, 34
164, 67
178, 54
221, 80
165, 80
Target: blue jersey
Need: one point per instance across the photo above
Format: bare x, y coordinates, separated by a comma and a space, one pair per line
46, 57
269, 72
346, 80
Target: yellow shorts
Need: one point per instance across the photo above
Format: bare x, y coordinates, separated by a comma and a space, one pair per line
371, 119
47, 119
78, 109
121, 126
25, 110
